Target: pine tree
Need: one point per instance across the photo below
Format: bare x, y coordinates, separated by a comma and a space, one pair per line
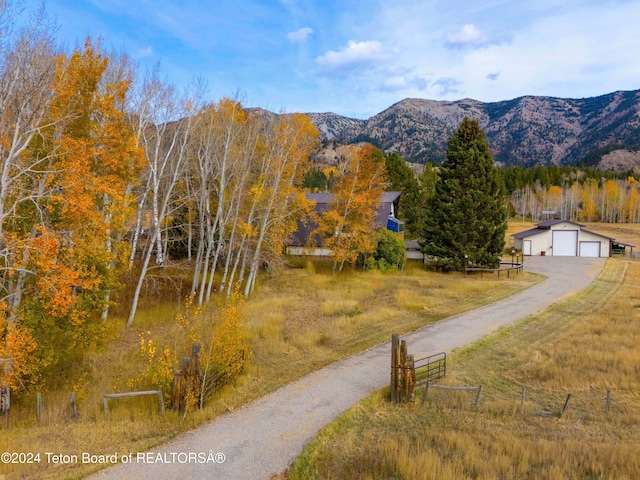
467, 218
401, 178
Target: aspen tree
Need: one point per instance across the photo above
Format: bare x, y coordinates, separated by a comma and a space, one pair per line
164, 122
277, 200
348, 227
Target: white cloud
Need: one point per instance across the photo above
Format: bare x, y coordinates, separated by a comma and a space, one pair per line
143, 52
300, 35
442, 49
468, 35
409, 83
571, 54
369, 52
395, 83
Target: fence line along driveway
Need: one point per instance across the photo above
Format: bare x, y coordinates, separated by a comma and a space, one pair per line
263, 437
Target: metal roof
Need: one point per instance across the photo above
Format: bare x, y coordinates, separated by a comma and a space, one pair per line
412, 245
386, 197
320, 197
550, 223
529, 233
536, 231
623, 243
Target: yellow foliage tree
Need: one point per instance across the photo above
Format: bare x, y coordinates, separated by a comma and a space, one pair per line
553, 198
348, 227
67, 240
589, 200
97, 163
631, 210
276, 200
17, 348
224, 340
611, 201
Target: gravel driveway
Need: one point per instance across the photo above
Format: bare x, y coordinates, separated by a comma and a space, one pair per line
263, 437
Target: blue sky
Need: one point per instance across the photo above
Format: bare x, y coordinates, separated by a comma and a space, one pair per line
356, 58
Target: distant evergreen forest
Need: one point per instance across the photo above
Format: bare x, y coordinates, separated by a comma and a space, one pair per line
580, 193
516, 178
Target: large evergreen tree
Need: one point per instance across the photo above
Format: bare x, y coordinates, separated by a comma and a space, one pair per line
467, 218
427, 186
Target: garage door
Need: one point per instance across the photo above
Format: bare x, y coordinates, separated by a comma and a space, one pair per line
589, 249
565, 243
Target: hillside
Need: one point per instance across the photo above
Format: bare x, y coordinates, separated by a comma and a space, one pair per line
524, 131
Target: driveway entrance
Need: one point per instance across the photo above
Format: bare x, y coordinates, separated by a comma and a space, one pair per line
263, 437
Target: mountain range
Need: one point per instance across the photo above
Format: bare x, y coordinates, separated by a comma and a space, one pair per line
525, 131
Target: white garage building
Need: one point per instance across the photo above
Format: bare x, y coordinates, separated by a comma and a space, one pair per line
562, 238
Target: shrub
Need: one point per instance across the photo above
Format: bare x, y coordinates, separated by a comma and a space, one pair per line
389, 252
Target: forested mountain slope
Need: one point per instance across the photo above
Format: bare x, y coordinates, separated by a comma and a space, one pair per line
524, 131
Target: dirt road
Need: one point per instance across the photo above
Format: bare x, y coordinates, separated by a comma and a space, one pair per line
263, 437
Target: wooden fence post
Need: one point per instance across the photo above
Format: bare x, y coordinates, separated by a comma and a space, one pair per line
608, 403
412, 377
5, 403
395, 344
404, 392
175, 391
39, 406
187, 380
424, 395
403, 372
523, 395
478, 396
195, 358
194, 383
161, 401
566, 404
74, 410
184, 383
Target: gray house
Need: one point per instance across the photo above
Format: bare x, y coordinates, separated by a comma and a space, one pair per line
302, 244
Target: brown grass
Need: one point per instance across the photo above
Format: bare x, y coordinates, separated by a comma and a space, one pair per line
622, 232
298, 321
582, 346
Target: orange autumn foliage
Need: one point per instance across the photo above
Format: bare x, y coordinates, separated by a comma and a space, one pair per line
57, 283
65, 245
97, 157
16, 351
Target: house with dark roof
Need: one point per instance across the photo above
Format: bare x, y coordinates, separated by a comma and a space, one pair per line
302, 244
562, 238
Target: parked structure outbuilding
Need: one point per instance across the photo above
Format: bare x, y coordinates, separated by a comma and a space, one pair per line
562, 238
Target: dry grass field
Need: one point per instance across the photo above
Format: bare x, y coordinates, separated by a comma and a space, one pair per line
627, 233
583, 346
298, 321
